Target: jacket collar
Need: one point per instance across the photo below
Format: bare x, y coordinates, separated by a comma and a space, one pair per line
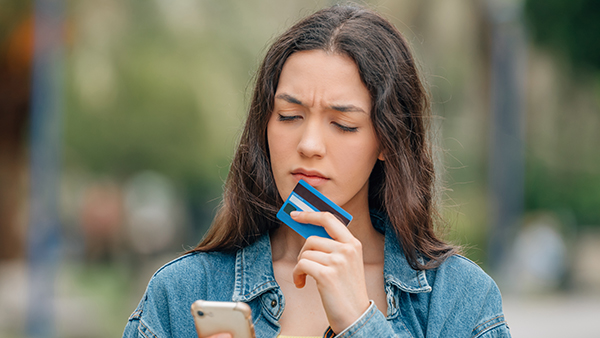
254, 266
254, 270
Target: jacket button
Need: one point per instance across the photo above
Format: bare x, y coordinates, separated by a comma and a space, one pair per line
273, 303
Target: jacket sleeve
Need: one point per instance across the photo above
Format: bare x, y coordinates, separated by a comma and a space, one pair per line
163, 310
491, 323
374, 324
133, 323
371, 324
465, 302
496, 331
139, 327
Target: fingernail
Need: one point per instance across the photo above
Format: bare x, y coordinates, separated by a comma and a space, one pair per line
294, 213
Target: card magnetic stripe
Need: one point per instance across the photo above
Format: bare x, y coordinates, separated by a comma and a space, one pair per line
318, 202
300, 204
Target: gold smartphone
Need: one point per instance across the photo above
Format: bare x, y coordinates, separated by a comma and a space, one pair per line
223, 317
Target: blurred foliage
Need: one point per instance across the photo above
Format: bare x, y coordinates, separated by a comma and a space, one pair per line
11, 12
563, 164
572, 191
569, 28
131, 106
162, 86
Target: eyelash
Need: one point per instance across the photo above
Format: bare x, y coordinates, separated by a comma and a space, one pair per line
345, 129
286, 118
342, 127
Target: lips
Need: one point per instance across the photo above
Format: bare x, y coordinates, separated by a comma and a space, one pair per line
312, 177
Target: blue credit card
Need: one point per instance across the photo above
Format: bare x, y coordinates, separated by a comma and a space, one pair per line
306, 198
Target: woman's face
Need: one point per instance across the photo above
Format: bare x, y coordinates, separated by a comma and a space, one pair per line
320, 129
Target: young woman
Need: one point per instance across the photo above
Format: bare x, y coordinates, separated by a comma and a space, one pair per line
338, 103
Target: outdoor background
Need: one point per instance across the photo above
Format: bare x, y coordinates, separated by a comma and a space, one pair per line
118, 120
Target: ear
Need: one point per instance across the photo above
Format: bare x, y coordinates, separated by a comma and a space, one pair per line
381, 157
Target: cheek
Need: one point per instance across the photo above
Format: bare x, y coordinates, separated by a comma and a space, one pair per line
355, 163
358, 158
272, 138
277, 145
281, 148
281, 164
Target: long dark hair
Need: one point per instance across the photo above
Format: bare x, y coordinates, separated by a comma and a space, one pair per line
401, 186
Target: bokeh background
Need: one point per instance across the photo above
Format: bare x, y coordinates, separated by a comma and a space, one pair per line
118, 120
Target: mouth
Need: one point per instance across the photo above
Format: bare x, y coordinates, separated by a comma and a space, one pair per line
312, 177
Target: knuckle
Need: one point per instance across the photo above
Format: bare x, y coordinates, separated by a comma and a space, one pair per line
301, 257
301, 264
357, 244
347, 250
327, 275
337, 260
307, 256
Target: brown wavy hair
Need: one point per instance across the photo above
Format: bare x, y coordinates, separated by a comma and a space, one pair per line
401, 187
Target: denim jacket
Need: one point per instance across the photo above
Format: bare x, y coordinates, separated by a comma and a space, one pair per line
457, 299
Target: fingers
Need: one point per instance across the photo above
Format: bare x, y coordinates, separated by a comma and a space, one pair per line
309, 260
331, 251
323, 257
317, 243
304, 268
337, 267
317, 264
326, 260
334, 227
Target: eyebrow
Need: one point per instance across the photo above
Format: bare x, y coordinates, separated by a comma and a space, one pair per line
349, 108
290, 99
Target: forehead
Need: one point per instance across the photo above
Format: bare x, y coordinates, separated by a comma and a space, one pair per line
319, 75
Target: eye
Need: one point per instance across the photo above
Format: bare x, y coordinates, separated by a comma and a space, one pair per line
345, 128
288, 118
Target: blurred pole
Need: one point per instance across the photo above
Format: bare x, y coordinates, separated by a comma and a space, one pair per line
45, 143
507, 125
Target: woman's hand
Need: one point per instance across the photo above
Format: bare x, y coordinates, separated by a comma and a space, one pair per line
337, 267
220, 335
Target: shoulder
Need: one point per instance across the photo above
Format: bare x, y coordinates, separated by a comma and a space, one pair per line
193, 271
164, 307
461, 286
463, 280
461, 271
196, 263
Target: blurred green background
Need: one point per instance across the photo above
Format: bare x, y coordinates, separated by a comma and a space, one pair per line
152, 98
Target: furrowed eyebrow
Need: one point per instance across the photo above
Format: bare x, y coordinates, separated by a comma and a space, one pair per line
289, 98
350, 108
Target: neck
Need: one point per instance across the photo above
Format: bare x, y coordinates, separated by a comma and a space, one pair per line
286, 244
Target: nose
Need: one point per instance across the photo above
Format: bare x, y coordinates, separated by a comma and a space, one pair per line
312, 141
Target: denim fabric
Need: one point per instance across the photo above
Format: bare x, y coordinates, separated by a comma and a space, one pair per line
457, 299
